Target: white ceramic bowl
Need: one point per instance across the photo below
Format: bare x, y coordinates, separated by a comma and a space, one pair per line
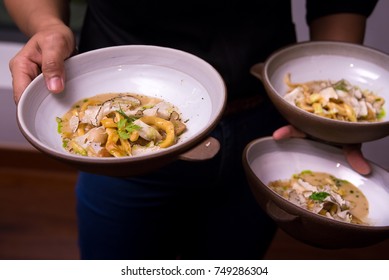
307, 61
267, 160
183, 79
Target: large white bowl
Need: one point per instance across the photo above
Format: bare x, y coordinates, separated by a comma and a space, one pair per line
267, 160
360, 65
183, 79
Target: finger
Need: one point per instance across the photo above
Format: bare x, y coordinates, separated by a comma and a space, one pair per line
288, 131
356, 159
23, 71
19, 84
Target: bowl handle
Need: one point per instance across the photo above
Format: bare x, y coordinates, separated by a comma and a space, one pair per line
277, 214
203, 151
257, 70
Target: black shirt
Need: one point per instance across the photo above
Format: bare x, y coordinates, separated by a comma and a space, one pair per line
230, 35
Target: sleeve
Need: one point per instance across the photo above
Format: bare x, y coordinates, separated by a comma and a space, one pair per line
319, 8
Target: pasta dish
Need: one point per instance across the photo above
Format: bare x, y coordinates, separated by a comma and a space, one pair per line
326, 195
120, 124
338, 100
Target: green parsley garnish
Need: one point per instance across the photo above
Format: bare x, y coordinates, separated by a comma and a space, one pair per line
320, 196
126, 126
59, 124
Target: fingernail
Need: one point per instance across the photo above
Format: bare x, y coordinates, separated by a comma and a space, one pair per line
55, 84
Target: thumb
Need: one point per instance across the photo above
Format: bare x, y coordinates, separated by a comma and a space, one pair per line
287, 131
55, 84
356, 159
54, 54
54, 73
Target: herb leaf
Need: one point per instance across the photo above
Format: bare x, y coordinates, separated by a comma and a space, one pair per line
320, 196
59, 124
126, 126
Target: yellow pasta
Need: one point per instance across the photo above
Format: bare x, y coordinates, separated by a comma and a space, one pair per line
167, 126
108, 122
111, 146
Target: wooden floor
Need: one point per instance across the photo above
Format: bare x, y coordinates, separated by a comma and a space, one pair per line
37, 208
38, 222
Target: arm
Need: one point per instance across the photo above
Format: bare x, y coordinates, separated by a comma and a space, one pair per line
339, 27
335, 20
32, 16
51, 42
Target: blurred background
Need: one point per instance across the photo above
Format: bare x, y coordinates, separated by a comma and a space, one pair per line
37, 207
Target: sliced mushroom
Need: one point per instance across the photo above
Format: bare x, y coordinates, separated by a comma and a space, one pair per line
179, 126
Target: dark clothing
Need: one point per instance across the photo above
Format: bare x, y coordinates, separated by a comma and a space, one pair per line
206, 210
230, 35
190, 210
316, 9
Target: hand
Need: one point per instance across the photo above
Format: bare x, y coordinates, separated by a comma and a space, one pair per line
45, 52
352, 153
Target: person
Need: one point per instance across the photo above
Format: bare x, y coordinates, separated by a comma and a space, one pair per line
185, 210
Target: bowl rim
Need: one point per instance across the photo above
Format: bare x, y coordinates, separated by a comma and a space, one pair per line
161, 154
283, 203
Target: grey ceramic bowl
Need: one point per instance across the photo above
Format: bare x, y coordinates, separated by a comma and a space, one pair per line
307, 61
183, 79
266, 160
